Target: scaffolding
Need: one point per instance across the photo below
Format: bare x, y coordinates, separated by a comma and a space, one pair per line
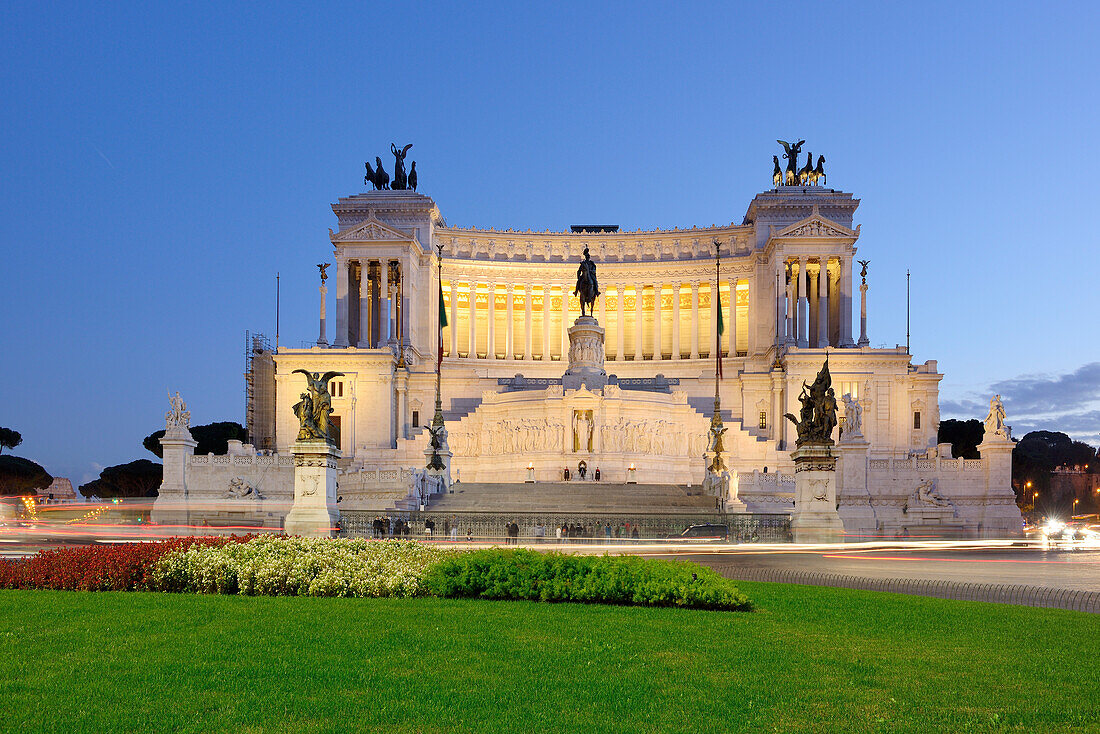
259, 390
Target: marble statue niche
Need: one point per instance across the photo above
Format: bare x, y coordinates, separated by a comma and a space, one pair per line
582, 431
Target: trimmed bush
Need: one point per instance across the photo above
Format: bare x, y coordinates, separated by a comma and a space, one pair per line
557, 577
281, 566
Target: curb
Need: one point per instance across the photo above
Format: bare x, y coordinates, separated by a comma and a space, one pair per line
1029, 596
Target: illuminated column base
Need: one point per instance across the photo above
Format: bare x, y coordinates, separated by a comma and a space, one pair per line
314, 514
815, 519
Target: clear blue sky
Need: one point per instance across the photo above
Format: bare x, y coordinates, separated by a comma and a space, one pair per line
160, 164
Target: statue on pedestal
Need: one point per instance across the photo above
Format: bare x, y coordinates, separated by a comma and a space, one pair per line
587, 288
179, 417
995, 421
853, 417
817, 418
315, 407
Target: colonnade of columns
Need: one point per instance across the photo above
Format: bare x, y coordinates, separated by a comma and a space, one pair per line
369, 312
652, 330
814, 307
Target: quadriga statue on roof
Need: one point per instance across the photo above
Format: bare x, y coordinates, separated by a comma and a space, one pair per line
587, 288
315, 407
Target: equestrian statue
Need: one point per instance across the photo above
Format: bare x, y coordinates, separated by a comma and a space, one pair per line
587, 288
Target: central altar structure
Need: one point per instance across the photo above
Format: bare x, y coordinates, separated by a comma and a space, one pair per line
537, 375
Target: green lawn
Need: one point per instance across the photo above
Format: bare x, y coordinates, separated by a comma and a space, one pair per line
810, 659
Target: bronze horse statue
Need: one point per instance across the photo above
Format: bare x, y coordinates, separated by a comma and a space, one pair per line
777, 174
587, 288
805, 175
819, 172
377, 176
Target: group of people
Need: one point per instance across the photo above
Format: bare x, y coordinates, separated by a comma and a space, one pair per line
385, 527
575, 532
582, 473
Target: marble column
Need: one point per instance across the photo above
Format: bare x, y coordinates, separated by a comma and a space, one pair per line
792, 303
364, 304
657, 321
510, 331
601, 307
780, 306
342, 303
620, 332
823, 303
383, 303
473, 321
731, 319
676, 320
394, 305
453, 325
564, 322
546, 322
491, 323
803, 314
527, 321
846, 301
322, 341
863, 340
695, 321
751, 336
639, 332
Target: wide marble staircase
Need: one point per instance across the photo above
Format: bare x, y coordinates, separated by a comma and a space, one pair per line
574, 497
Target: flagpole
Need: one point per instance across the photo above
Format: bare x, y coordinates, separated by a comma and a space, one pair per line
716, 427
436, 430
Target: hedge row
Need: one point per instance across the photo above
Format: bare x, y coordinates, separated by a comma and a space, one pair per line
558, 577
280, 566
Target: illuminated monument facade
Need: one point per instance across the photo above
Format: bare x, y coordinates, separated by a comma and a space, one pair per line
788, 296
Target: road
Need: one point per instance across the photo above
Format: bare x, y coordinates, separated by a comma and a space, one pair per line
1078, 570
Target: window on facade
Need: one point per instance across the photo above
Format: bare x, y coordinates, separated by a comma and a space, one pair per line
416, 419
763, 420
916, 419
336, 388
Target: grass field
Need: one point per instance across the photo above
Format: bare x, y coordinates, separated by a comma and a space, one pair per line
810, 659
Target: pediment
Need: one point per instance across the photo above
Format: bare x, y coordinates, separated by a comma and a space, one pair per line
816, 226
368, 231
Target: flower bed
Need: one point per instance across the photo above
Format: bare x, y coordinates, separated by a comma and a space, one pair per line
123, 567
281, 566
273, 565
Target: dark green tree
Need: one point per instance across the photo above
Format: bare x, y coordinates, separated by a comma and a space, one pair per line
964, 437
19, 476
9, 439
139, 478
213, 438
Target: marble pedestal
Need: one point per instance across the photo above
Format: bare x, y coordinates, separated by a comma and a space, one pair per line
314, 514
853, 498
172, 504
586, 355
814, 518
